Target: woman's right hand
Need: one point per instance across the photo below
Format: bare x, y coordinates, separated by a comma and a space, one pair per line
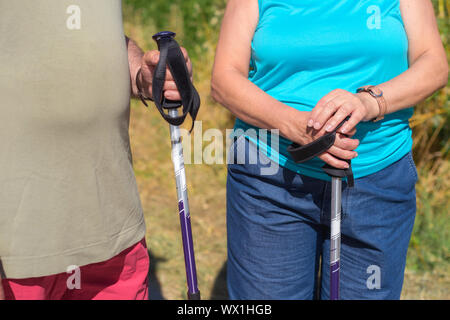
297, 130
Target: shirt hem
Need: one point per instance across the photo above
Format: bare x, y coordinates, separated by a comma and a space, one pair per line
31, 267
319, 174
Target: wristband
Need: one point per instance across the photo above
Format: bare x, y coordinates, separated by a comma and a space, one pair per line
378, 95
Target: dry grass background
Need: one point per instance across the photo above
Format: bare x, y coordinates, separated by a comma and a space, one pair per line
428, 261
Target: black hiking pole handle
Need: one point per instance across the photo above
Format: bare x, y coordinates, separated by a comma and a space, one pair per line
306, 152
160, 70
172, 57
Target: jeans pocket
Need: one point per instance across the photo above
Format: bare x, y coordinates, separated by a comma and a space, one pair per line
412, 166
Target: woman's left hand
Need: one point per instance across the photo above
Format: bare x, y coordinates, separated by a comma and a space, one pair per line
337, 105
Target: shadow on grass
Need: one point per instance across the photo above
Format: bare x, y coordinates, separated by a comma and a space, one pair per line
219, 290
154, 286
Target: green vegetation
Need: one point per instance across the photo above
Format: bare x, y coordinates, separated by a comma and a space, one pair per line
197, 24
430, 244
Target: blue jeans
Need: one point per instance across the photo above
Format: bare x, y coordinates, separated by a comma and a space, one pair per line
278, 231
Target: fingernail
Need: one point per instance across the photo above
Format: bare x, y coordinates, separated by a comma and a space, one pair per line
329, 127
344, 130
310, 123
317, 125
346, 166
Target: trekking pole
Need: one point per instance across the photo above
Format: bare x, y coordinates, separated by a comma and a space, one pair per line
335, 236
183, 209
302, 154
335, 223
172, 57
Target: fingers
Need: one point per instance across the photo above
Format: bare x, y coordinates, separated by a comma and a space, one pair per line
173, 95
333, 161
324, 109
149, 62
334, 108
151, 58
349, 134
346, 143
170, 85
342, 112
355, 118
343, 149
345, 106
325, 112
346, 109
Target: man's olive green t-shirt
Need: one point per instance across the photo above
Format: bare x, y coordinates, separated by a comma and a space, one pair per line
68, 194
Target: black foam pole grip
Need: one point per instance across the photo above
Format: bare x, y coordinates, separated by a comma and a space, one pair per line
306, 152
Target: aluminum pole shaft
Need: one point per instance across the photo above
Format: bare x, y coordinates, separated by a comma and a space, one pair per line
183, 207
335, 236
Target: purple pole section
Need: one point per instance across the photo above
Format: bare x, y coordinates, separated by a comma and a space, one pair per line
188, 248
334, 281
